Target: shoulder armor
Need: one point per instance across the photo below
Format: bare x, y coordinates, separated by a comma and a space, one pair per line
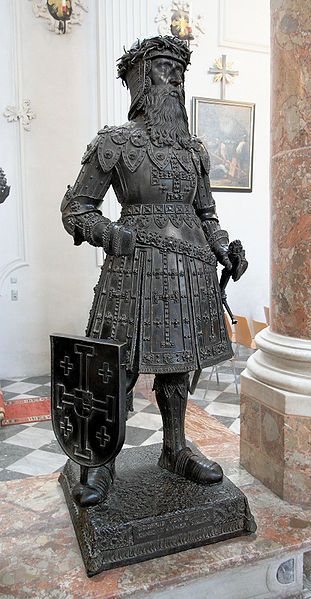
109, 147
120, 135
160, 156
133, 155
90, 149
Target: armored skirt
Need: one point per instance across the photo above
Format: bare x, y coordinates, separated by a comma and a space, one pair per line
164, 301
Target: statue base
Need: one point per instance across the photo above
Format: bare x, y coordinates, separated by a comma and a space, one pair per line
150, 512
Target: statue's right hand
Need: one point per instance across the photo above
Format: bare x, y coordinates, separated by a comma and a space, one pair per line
119, 240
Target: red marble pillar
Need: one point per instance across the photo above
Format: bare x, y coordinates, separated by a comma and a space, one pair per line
276, 385
291, 167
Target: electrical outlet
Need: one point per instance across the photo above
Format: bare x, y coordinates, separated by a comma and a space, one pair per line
14, 295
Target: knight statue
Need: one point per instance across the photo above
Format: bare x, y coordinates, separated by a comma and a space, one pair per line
158, 290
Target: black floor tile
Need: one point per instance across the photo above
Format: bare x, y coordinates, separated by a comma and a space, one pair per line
6, 382
41, 391
11, 453
6, 475
136, 436
46, 424
40, 380
151, 409
224, 420
8, 395
8, 431
232, 398
201, 403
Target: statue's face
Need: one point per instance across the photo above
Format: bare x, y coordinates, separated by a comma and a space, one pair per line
166, 71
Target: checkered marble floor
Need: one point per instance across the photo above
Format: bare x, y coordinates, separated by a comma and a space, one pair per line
31, 449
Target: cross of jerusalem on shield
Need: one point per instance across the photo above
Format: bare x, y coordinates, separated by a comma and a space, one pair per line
88, 397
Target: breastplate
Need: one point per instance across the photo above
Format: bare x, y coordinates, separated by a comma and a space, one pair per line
145, 173
158, 183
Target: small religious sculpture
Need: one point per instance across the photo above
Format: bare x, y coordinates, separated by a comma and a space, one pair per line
158, 290
158, 293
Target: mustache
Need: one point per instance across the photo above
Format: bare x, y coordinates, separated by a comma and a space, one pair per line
162, 93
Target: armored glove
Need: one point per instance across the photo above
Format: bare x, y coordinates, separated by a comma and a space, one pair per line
219, 244
116, 239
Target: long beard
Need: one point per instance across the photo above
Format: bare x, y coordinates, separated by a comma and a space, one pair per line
166, 118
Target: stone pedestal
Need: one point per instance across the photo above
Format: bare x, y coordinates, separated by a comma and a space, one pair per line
276, 386
150, 512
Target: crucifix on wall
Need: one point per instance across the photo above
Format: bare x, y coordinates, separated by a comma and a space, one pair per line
223, 73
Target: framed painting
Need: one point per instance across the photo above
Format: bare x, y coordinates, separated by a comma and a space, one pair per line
227, 130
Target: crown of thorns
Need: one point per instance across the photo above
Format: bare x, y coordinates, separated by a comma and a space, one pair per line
167, 46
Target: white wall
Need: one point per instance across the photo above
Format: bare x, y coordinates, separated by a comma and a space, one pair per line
70, 80
240, 29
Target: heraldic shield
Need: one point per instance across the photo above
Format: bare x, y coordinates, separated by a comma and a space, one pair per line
88, 398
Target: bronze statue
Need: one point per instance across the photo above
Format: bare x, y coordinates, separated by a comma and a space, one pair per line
4, 188
158, 290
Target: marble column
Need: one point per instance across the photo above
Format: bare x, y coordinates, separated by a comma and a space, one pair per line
276, 385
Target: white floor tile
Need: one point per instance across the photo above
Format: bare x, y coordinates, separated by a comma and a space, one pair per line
20, 387
206, 371
157, 437
209, 395
39, 462
223, 409
145, 420
31, 437
231, 388
198, 394
24, 396
224, 377
139, 404
240, 363
235, 426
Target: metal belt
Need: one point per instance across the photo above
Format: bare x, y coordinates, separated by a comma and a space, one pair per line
148, 209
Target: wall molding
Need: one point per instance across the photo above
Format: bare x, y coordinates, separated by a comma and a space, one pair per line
225, 41
21, 259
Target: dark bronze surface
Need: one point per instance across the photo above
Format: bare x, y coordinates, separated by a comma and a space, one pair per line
88, 398
158, 291
4, 188
150, 512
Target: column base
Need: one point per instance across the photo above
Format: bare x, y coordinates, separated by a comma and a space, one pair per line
275, 433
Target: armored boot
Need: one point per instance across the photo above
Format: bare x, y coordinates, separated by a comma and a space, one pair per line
171, 394
99, 480
95, 491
